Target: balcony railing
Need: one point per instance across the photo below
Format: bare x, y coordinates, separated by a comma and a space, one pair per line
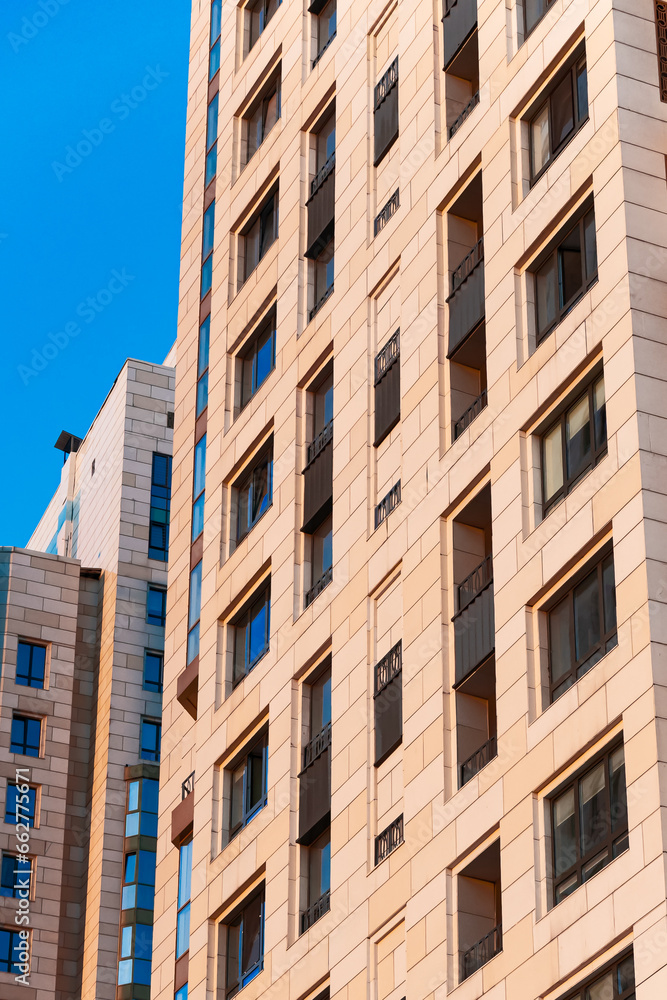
469, 415
475, 583
318, 586
389, 353
383, 217
323, 50
188, 786
466, 299
481, 952
388, 667
320, 302
459, 120
387, 504
319, 179
321, 208
459, 20
389, 80
317, 746
467, 266
318, 479
477, 760
315, 911
389, 840
319, 443
474, 623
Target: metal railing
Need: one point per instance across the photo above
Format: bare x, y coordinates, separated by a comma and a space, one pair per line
319, 443
387, 504
319, 586
467, 266
383, 217
469, 415
322, 174
388, 667
477, 760
389, 353
188, 786
323, 50
315, 911
389, 840
459, 120
317, 746
320, 302
389, 80
481, 952
475, 583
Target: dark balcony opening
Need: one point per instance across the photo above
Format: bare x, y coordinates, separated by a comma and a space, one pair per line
480, 913
474, 630
467, 374
385, 112
388, 703
476, 742
462, 85
458, 23
465, 255
315, 788
321, 206
318, 471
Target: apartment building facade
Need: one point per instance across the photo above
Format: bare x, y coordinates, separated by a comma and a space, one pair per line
414, 676
82, 635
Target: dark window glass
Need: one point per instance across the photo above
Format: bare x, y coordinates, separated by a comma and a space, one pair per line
258, 237
590, 822
20, 805
245, 945
322, 553
251, 635
158, 539
136, 948
323, 266
151, 734
574, 444
260, 13
566, 274
534, 10
141, 810
212, 122
260, 120
16, 875
615, 982
156, 606
326, 26
319, 867
320, 703
153, 670
26, 735
254, 494
11, 947
582, 627
249, 784
198, 486
30, 665
139, 880
258, 359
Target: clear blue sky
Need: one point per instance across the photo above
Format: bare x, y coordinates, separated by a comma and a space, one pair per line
73, 220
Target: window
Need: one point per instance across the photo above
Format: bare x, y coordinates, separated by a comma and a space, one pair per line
139, 880
245, 945
249, 786
211, 141
319, 868
259, 121
321, 558
323, 267
214, 39
158, 538
207, 250
563, 112
198, 485
258, 358
387, 388
194, 612
202, 365
616, 982
320, 703
254, 493
182, 994
566, 274
534, 10
257, 237
325, 25
136, 948
151, 735
141, 812
387, 701
153, 670
385, 112
15, 876
26, 735
184, 884
30, 664
582, 627
321, 210
156, 606
258, 15
12, 947
251, 635
20, 805
574, 444
589, 822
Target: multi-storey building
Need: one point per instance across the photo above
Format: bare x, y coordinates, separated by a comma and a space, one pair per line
82, 633
414, 688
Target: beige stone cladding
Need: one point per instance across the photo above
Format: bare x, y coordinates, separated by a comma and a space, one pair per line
475, 498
